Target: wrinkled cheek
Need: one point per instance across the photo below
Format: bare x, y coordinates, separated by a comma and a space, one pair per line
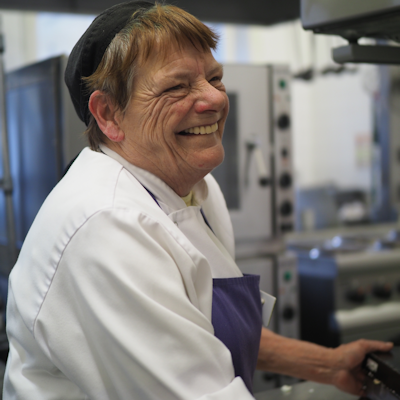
180, 109
156, 125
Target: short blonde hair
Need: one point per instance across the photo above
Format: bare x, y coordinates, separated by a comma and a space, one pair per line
156, 28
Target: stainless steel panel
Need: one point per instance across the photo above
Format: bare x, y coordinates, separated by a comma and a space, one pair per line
256, 176
250, 86
305, 391
44, 135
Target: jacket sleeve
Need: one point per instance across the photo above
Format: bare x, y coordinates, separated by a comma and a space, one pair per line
123, 316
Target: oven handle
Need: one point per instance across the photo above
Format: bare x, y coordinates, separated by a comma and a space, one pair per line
253, 148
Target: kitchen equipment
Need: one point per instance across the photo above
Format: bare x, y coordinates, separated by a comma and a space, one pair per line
383, 375
349, 286
44, 135
256, 175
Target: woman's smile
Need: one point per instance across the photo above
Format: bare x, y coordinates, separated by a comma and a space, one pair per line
201, 130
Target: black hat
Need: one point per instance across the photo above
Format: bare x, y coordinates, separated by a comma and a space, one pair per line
88, 52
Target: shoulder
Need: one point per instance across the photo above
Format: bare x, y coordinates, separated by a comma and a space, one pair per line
95, 189
95, 182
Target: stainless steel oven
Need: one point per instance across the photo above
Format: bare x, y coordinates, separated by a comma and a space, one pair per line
256, 175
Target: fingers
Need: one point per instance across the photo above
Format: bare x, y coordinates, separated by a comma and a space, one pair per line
375, 345
355, 352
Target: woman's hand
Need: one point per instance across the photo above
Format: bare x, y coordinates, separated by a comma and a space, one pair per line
347, 372
340, 366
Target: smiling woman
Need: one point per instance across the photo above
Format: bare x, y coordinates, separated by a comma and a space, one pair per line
158, 81
174, 121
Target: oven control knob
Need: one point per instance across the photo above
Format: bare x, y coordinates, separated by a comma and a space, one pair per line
285, 180
356, 295
383, 291
286, 208
288, 313
284, 153
284, 121
264, 181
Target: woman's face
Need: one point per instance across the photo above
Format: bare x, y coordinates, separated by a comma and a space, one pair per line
174, 123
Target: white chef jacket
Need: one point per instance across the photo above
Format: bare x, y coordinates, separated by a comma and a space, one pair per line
111, 295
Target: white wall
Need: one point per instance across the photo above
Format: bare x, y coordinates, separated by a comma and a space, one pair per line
31, 36
58, 33
329, 113
20, 38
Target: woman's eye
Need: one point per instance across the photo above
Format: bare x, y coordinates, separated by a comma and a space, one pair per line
215, 79
177, 87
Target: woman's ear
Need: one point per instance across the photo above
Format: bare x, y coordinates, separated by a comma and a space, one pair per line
104, 111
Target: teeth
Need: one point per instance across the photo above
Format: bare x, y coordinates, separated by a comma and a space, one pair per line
203, 130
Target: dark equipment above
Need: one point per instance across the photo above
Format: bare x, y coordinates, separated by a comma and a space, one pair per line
353, 20
362, 18
257, 12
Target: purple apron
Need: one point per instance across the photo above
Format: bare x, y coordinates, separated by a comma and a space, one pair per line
237, 321
237, 318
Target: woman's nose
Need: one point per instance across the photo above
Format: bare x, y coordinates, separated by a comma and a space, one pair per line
210, 99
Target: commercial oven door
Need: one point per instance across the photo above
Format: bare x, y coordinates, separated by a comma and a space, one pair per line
245, 174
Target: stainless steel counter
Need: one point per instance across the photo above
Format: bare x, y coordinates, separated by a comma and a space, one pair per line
306, 391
